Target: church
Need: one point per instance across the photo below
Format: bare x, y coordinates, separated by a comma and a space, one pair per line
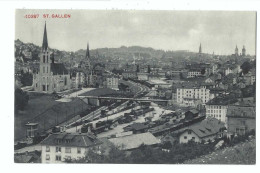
51, 76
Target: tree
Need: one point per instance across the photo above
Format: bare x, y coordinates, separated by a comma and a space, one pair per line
26, 78
21, 99
246, 66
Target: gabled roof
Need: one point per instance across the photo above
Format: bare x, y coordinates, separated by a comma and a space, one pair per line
207, 127
75, 140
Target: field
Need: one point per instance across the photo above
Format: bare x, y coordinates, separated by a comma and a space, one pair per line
47, 112
243, 153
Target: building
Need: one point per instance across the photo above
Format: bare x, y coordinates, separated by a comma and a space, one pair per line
192, 91
236, 51
56, 148
112, 82
244, 51
51, 76
217, 107
194, 73
129, 74
250, 77
240, 119
143, 76
77, 79
200, 50
206, 130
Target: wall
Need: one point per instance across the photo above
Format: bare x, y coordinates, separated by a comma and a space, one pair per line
52, 153
189, 137
241, 123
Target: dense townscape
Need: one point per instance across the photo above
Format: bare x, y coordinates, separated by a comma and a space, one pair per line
133, 105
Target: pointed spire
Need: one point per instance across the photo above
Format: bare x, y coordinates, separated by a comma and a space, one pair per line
200, 51
87, 53
45, 39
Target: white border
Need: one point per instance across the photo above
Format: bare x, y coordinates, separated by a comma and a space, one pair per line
7, 10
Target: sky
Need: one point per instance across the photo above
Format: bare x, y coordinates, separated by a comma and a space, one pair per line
218, 31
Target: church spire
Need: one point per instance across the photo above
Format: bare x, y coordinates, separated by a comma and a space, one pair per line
45, 39
200, 51
87, 53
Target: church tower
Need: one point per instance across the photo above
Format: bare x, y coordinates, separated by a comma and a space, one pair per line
200, 50
45, 62
244, 51
88, 66
236, 51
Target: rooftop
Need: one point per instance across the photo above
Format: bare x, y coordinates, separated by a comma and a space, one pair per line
207, 127
71, 140
241, 111
134, 141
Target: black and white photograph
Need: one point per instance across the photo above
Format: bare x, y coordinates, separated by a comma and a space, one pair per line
134, 86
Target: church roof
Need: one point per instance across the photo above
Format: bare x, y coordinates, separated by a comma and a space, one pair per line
58, 69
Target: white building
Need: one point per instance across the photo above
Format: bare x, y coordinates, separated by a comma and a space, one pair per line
112, 82
194, 73
56, 148
193, 92
217, 111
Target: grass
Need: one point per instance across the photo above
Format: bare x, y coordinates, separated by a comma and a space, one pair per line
36, 105
242, 153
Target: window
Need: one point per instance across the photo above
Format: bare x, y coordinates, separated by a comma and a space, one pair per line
58, 149
36, 85
79, 150
47, 148
189, 131
47, 157
185, 137
43, 69
47, 69
193, 138
43, 59
58, 158
67, 150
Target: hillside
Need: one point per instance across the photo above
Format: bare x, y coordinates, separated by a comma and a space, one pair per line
243, 153
31, 52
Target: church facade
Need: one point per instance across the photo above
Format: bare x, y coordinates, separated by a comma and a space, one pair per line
51, 76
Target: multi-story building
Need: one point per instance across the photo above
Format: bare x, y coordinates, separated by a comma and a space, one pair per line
56, 148
77, 79
240, 119
51, 76
192, 91
218, 106
112, 82
194, 73
129, 74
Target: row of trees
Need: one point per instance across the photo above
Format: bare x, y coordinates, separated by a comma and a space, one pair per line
149, 155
